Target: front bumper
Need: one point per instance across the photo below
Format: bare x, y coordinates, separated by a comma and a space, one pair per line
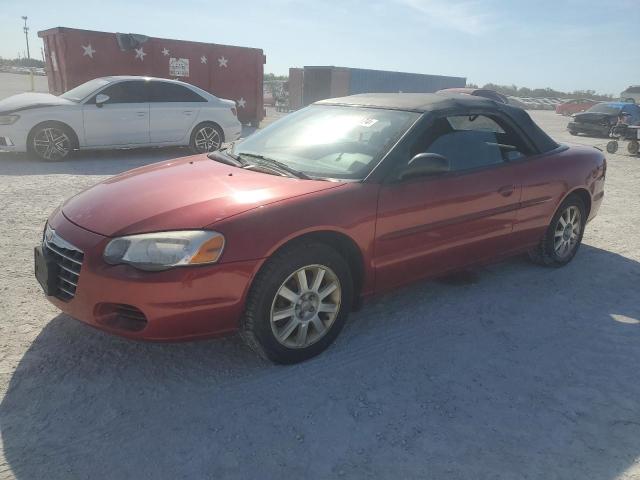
12, 139
178, 304
589, 129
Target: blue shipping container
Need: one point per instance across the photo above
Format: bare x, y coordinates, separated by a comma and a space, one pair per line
379, 81
321, 82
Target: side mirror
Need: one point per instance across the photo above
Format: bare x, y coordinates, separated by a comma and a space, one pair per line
425, 164
100, 99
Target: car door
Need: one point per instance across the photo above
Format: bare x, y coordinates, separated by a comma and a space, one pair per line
174, 112
120, 121
433, 224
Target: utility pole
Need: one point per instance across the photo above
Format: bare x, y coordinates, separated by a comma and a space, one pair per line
26, 36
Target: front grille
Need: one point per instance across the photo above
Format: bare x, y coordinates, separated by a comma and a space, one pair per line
69, 260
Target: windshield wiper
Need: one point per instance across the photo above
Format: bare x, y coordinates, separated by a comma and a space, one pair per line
281, 166
227, 158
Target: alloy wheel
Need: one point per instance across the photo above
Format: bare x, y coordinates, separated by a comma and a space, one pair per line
51, 143
207, 139
567, 232
305, 306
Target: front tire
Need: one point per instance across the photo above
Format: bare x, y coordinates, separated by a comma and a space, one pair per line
298, 303
563, 237
51, 141
634, 147
206, 137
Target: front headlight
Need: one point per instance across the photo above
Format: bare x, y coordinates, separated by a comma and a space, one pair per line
8, 119
162, 250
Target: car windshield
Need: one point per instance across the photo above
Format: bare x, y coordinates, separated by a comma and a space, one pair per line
603, 108
84, 90
329, 141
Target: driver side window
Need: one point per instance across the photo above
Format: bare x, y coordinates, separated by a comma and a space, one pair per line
469, 142
126, 92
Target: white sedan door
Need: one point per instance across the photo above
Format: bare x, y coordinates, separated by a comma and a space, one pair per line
174, 111
121, 120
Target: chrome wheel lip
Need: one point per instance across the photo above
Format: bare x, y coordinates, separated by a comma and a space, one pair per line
305, 306
51, 143
567, 232
207, 139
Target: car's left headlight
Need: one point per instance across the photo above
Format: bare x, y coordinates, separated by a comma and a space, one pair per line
163, 250
8, 119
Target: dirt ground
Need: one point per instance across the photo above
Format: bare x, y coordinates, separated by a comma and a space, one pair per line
521, 372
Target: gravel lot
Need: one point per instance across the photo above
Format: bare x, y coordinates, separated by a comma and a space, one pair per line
513, 372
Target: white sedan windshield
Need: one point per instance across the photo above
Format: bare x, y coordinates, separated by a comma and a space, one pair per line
330, 141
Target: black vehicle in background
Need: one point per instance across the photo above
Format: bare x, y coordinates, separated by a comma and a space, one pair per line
601, 118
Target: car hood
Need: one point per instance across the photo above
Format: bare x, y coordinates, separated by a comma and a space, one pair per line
191, 192
24, 101
592, 117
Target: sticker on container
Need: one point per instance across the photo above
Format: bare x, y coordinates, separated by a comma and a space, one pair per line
368, 122
179, 67
54, 61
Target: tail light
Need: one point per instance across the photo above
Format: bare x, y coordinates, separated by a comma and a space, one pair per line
234, 111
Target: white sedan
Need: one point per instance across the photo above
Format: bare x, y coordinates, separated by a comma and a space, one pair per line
117, 112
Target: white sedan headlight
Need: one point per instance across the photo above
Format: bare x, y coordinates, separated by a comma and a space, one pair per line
163, 250
8, 119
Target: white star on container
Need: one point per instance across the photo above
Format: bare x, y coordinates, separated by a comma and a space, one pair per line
203, 59
222, 62
140, 54
242, 102
88, 51
165, 52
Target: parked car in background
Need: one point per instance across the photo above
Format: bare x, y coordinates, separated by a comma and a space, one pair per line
478, 92
280, 235
631, 94
600, 118
117, 112
576, 105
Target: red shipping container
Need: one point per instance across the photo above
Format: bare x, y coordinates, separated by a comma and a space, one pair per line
75, 56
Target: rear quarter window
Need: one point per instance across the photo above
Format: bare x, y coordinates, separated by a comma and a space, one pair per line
173, 92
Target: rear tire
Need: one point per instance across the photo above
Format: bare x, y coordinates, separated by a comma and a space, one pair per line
206, 137
563, 237
634, 147
289, 316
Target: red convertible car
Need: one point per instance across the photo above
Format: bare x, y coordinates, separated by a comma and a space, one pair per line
281, 235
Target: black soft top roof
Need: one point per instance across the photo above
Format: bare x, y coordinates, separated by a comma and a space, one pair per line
432, 102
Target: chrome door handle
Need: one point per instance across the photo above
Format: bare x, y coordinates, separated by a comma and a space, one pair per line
188, 112
507, 190
142, 114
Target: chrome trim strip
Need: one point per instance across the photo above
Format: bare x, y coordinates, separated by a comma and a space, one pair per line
68, 281
60, 287
78, 262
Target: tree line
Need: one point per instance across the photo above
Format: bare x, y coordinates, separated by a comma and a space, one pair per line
22, 62
514, 91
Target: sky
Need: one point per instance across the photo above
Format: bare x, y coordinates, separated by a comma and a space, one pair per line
563, 44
